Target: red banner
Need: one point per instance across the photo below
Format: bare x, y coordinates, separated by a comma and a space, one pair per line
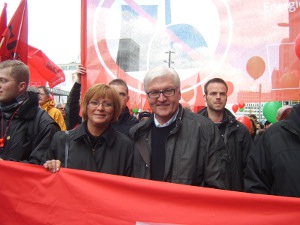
251, 46
14, 42
31, 195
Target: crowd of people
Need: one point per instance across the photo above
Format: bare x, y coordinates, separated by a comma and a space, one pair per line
210, 148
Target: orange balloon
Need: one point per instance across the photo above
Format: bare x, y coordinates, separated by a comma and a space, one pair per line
256, 67
187, 96
290, 80
230, 88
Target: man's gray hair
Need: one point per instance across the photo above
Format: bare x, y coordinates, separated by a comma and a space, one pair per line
160, 71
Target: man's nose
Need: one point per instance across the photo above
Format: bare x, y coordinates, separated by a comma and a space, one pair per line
161, 97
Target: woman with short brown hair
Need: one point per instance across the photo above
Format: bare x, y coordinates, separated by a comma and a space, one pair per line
94, 145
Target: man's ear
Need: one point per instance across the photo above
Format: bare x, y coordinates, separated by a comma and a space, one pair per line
128, 97
204, 96
22, 87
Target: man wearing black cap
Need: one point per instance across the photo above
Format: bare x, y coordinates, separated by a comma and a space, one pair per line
144, 115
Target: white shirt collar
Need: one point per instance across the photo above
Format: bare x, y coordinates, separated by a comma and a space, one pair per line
157, 124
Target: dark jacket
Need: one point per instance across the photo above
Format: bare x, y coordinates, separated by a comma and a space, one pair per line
112, 153
195, 153
274, 165
73, 117
125, 122
239, 144
28, 136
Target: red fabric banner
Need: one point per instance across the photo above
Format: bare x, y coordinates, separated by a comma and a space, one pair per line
124, 39
42, 69
31, 195
14, 42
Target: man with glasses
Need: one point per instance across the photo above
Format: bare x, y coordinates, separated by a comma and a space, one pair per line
62, 108
47, 103
174, 144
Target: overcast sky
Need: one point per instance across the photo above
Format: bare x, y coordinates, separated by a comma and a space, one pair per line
53, 27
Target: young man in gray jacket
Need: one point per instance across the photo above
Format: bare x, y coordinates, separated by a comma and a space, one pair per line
235, 135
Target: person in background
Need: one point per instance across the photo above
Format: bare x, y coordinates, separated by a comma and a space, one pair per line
253, 128
253, 116
73, 118
259, 132
283, 112
62, 108
273, 167
175, 145
267, 124
26, 129
234, 134
125, 120
254, 122
94, 145
46, 103
144, 115
260, 127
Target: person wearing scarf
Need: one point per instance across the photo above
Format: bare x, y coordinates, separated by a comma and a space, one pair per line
26, 130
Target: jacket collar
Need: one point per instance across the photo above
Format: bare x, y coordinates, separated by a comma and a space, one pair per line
124, 115
109, 135
48, 105
142, 126
27, 105
227, 116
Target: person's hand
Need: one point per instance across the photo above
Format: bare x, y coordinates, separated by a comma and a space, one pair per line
79, 72
52, 165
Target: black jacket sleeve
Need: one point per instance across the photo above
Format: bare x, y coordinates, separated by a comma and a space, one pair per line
73, 107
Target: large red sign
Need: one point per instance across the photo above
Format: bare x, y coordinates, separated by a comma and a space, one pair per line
249, 45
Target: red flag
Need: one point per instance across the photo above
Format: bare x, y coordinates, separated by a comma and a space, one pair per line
3, 25
15, 37
32, 195
3, 19
42, 69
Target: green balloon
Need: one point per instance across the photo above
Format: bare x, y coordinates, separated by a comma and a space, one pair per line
270, 110
135, 111
241, 109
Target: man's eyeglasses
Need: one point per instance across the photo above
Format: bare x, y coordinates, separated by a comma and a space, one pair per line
61, 108
166, 93
95, 104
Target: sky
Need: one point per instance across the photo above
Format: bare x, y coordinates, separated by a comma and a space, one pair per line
53, 27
